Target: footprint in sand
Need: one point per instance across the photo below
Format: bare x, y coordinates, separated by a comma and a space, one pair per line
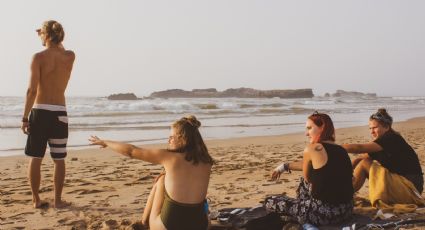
48, 175
12, 202
225, 203
63, 221
19, 215
5, 193
241, 178
132, 183
84, 191
114, 195
86, 183
104, 179
46, 189
136, 201
78, 224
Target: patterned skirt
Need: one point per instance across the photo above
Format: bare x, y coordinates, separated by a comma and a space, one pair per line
307, 209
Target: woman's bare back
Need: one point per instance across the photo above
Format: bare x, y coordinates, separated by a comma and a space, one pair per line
186, 182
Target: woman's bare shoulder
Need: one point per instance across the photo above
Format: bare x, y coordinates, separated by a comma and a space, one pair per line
314, 147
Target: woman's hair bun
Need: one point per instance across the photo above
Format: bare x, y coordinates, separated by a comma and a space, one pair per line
54, 30
193, 121
57, 27
382, 116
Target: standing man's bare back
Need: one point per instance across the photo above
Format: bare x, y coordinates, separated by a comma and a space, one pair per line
55, 66
45, 119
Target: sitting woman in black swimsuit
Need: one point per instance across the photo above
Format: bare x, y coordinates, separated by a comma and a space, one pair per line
177, 199
325, 193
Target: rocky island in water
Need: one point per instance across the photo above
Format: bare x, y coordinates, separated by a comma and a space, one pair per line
123, 96
237, 92
343, 93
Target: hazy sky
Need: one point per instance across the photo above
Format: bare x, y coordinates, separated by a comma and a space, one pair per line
144, 46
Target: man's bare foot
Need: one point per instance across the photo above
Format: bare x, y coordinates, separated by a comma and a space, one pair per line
40, 204
62, 204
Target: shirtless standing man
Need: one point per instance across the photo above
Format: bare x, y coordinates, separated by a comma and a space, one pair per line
45, 99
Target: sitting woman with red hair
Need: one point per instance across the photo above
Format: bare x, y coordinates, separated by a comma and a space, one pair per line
325, 193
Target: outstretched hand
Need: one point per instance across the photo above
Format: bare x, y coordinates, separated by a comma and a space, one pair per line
94, 140
276, 175
284, 167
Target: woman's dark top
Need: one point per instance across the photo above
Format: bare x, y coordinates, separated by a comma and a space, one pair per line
399, 157
332, 182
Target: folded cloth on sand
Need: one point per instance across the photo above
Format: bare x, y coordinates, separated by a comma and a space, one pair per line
391, 192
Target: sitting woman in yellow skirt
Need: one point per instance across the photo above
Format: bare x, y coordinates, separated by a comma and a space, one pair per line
390, 163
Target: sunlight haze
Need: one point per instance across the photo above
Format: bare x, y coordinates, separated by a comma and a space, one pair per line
145, 46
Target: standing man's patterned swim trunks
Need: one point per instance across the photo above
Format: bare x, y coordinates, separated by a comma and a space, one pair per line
47, 124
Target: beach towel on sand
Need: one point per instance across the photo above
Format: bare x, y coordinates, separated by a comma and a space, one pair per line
391, 192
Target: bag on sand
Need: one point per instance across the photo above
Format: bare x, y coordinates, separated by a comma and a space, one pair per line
255, 218
271, 221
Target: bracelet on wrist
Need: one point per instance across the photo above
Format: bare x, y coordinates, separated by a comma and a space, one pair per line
24, 119
287, 169
284, 167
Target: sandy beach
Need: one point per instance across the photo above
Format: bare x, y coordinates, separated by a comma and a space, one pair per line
109, 191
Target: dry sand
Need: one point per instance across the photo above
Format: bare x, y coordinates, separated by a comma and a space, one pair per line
108, 190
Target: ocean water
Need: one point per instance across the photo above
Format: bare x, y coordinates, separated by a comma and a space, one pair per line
148, 120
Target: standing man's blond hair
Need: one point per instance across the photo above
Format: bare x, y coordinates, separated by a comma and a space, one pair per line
45, 118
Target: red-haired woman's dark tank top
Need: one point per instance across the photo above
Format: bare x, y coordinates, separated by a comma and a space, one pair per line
332, 182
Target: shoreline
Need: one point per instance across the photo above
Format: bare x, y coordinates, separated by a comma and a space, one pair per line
153, 143
105, 187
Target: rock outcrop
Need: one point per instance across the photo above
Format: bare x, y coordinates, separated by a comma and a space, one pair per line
343, 93
237, 92
123, 96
